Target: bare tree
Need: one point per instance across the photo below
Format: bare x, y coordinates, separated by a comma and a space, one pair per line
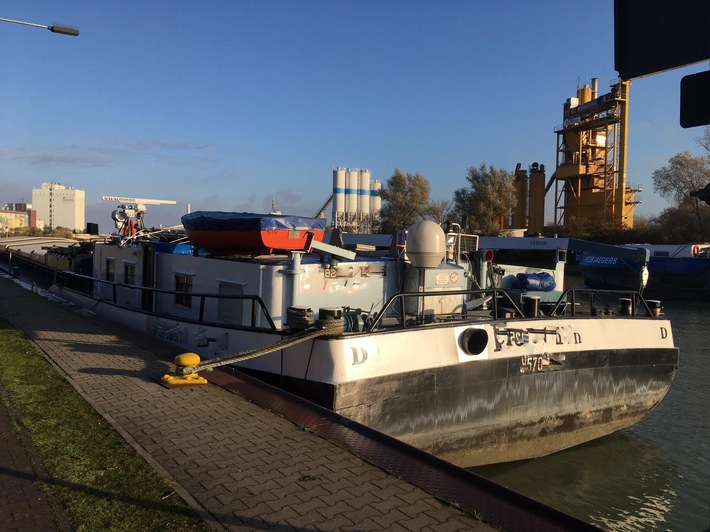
683, 174
439, 210
675, 182
704, 141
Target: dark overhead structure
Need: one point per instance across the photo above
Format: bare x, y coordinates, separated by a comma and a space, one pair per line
695, 98
651, 36
703, 194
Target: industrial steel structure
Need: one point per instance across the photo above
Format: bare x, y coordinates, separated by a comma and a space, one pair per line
590, 174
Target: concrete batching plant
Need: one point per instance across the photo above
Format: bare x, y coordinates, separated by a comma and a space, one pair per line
590, 171
590, 175
356, 200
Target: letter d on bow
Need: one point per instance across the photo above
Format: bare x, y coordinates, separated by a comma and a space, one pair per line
359, 355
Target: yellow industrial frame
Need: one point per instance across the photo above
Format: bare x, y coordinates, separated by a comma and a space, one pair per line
590, 173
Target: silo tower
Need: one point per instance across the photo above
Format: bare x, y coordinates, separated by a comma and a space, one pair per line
356, 200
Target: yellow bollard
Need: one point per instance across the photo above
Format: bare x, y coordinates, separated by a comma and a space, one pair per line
185, 360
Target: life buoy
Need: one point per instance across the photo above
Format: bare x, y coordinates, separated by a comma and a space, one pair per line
696, 251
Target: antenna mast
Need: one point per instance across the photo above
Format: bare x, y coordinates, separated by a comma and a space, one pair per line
130, 208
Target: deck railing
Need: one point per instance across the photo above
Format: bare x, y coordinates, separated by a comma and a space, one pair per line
401, 311
498, 304
257, 307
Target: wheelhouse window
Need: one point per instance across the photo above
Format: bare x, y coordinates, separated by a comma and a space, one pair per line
183, 289
129, 273
110, 269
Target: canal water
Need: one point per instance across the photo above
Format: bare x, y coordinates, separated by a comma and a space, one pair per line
654, 475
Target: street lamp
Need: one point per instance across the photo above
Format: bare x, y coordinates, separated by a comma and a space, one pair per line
64, 30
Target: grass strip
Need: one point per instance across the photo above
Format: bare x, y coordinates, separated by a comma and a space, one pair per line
102, 483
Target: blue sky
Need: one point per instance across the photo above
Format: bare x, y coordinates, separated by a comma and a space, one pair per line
227, 104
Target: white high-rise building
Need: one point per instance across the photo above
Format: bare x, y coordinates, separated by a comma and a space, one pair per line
59, 206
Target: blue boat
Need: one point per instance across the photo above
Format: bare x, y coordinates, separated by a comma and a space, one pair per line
675, 272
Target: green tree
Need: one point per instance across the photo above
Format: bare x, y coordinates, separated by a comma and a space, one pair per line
489, 196
683, 175
405, 200
61, 232
27, 231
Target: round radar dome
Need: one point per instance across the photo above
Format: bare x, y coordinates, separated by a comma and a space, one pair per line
426, 244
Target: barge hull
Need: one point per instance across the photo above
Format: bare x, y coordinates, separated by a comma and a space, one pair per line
491, 411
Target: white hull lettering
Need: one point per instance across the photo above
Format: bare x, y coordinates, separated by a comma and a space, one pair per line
521, 336
359, 355
531, 363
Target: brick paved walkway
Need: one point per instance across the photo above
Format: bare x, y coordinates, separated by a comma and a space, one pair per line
23, 505
239, 466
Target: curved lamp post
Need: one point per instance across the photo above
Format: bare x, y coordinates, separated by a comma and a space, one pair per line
64, 30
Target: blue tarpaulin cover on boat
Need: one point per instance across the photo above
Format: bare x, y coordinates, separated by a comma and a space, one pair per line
542, 282
247, 221
172, 248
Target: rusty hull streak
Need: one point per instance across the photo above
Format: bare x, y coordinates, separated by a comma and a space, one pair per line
496, 505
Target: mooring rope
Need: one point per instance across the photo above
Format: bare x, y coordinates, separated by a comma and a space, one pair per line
324, 327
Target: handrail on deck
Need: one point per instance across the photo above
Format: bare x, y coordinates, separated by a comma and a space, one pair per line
501, 303
570, 297
497, 296
257, 304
